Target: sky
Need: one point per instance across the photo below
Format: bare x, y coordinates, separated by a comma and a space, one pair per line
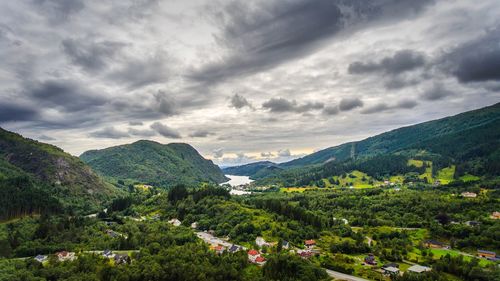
241, 81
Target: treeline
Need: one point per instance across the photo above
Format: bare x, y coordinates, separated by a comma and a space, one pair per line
292, 212
378, 167
22, 196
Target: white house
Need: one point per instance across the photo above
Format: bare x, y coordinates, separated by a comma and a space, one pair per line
175, 222
261, 242
419, 268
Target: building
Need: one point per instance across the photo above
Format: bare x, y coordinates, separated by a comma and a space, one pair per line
261, 242
310, 243
175, 222
41, 258
435, 244
252, 255
390, 270
260, 260
285, 244
122, 259
469, 194
219, 249
486, 254
108, 254
370, 259
472, 223
194, 225
495, 215
65, 256
419, 268
234, 249
305, 254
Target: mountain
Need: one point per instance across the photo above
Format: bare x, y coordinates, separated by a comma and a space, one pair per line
462, 133
257, 168
470, 142
154, 163
30, 167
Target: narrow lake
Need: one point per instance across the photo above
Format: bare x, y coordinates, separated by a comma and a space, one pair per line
236, 181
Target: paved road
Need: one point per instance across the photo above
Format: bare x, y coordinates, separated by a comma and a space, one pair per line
343, 276
213, 240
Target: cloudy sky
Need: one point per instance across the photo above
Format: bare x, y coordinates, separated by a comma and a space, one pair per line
241, 80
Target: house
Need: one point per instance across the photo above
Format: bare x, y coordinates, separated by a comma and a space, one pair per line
285, 244
305, 254
469, 194
219, 249
111, 233
261, 242
495, 215
234, 249
65, 256
310, 243
41, 258
390, 270
392, 264
175, 222
435, 244
370, 259
122, 259
418, 268
472, 223
260, 260
108, 254
252, 255
194, 225
486, 254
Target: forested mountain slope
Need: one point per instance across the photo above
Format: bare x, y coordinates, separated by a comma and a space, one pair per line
463, 133
29, 167
154, 163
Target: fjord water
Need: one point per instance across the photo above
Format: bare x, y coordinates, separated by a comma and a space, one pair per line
238, 180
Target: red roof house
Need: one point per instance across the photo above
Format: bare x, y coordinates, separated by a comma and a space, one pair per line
253, 253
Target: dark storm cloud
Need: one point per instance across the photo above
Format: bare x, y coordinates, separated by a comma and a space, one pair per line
141, 133
376, 108
238, 101
406, 103
58, 11
263, 35
477, 60
200, 134
91, 56
284, 105
165, 130
347, 104
66, 95
109, 133
166, 105
401, 61
140, 72
331, 110
436, 92
381, 107
14, 112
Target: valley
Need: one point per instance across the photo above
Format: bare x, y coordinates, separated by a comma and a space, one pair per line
403, 206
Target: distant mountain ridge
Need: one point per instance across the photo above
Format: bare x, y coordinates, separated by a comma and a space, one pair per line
154, 163
466, 135
50, 169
